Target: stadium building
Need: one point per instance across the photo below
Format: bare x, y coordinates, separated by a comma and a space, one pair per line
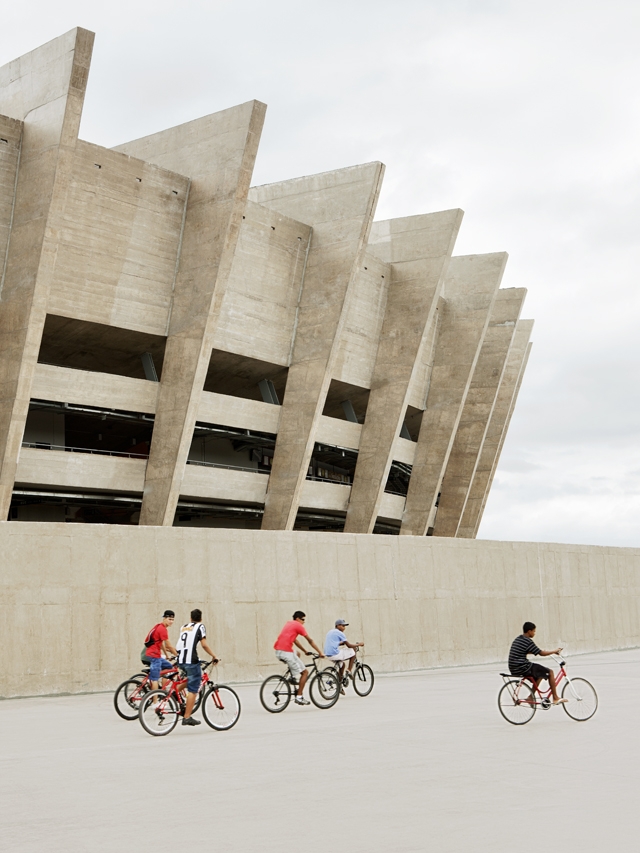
178, 347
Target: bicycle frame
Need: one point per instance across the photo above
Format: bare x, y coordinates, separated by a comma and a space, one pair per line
544, 695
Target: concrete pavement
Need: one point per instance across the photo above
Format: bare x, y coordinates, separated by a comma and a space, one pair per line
424, 763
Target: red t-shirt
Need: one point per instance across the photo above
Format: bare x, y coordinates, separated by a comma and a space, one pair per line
158, 633
291, 630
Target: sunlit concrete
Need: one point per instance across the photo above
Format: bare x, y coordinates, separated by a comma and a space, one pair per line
424, 763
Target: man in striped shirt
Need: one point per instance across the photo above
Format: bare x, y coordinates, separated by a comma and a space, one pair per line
520, 665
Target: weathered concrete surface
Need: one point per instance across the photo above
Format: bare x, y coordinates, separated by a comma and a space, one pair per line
496, 431
424, 763
416, 601
45, 90
264, 286
477, 410
340, 207
418, 249
218, 154
65, 385
471, 286
118, 250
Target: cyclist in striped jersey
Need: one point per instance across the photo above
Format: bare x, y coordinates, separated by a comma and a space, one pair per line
191, 634
520, 665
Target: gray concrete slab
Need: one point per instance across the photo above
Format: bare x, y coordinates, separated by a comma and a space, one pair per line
424, 763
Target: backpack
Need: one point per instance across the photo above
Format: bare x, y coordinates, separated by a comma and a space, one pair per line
147, 643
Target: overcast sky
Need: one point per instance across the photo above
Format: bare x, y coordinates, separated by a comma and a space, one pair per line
525, 115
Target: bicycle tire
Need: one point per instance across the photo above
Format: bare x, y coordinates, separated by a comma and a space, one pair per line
127, 698
275, 694
517, 702
223, 714
362, 680
585, 693
159, 713
324, 689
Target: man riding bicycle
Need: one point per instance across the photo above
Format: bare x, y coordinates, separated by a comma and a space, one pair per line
157, 647
191, 634
521, 666
339, 649
284, 651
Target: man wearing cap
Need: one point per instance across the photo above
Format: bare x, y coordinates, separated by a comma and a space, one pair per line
338, 648
158, 646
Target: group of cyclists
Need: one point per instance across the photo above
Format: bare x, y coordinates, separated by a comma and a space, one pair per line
158, 648
337, 648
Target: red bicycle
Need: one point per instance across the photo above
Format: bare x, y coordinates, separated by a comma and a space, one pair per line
129, 694
160, 710
519, 698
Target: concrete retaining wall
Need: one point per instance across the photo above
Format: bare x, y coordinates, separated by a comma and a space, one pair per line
78, 600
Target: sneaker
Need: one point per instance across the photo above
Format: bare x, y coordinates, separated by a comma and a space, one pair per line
300, 700
561, 702
342, 691
189, 721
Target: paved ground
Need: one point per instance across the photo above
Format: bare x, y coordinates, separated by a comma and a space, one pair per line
425, 763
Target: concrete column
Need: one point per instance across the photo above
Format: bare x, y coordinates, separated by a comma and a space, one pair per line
339, 206
217, 153
496, 431
477, 409
45, 90
470, 289
418, 248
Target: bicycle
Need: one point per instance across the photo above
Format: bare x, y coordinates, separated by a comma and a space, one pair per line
129, 694
362, 676
519, 699
324, 689
160, 710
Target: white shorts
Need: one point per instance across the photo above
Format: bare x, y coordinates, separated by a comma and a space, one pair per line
296, 667
344, 653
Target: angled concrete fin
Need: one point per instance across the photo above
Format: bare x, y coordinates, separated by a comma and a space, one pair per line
339, 206
470, 289
477, 410
45, 91
418, 248
217, 153
496, 431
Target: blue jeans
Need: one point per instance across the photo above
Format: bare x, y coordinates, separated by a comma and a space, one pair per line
156, 666
194, 676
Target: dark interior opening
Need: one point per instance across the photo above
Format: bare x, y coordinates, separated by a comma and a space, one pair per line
412, 421
239, 376
340, 392
82, 345
59, 425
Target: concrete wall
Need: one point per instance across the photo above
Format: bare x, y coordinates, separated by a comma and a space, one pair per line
77, 600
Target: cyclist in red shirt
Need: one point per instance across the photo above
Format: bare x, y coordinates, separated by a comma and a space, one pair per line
156, 643
284, 651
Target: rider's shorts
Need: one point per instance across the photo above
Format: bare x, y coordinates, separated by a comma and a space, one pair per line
344, 653
156, 666
296, 667
538, 671
194, 676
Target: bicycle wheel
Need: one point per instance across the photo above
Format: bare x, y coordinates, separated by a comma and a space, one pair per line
517, 702
324, 689
127, 698
159, 713
275, 694
362, 680
583, 699
221, 707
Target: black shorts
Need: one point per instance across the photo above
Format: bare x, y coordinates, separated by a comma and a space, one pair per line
538, 671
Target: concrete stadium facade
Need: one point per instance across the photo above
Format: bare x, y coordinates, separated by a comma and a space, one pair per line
208, 353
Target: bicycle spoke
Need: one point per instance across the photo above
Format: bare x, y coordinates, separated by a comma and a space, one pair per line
516, 702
